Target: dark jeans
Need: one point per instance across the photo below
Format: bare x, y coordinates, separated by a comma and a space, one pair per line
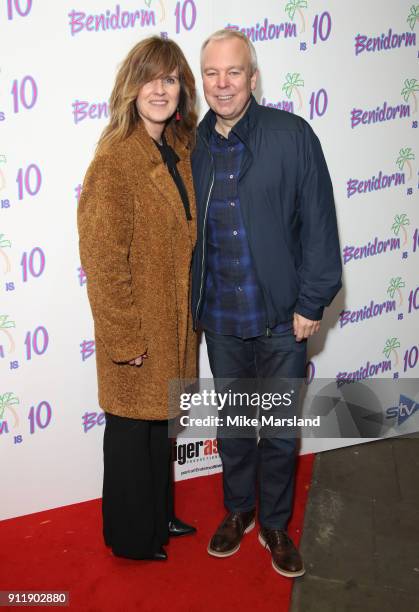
271, 461
137, 499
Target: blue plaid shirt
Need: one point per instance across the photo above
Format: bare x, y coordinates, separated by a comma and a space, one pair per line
233, 300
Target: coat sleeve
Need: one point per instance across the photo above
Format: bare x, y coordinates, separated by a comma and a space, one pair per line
321, 269
105, 224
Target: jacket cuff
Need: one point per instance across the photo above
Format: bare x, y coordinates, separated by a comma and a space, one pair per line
124, 354
314, 314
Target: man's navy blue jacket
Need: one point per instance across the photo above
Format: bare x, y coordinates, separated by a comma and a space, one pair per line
286, 198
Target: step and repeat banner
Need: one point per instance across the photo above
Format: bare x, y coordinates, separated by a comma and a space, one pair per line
352, 72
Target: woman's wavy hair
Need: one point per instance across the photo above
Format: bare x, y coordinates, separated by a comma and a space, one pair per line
149, 59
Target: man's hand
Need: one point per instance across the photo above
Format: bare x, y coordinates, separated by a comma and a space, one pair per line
304, 328
138, 361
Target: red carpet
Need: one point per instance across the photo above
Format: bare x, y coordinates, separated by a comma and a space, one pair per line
62, 549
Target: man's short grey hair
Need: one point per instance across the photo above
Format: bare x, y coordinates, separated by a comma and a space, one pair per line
227, 33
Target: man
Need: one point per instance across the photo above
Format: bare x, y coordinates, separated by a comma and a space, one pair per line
267, 262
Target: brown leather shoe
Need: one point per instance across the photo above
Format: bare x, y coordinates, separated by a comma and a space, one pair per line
227, 538
286, 560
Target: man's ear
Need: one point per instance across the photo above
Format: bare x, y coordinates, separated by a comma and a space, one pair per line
253, 80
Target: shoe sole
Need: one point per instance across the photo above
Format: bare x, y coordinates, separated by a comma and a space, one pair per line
300, 572
220, 555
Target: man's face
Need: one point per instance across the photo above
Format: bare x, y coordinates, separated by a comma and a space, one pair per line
227, 79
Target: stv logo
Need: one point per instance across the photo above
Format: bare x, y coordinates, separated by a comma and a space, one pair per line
403, 411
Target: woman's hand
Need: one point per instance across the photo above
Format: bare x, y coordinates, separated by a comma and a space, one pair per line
138, 361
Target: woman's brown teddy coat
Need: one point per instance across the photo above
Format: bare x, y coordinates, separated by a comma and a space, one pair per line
136, 247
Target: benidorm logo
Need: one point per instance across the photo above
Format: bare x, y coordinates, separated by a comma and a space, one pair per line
110, 20
377, 246
291, 87
83, 109
162, 9
413, 16
403, 411
280, 105
405, 157
375, 308
266, 31
390, 350
7, 402
386, 112
395, 286
5, 326
295, 7
382, 180
410, 87
5, 244
384, 42
371, 369
399, 226
87, 349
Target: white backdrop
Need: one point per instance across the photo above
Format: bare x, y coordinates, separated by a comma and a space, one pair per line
351, 71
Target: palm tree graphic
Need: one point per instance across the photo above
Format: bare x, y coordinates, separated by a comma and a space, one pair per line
295, 6
390, 347
400, 221
413, 16
162, 9
292, 83
410, 86
3, 160
395, 285
4, 326
3, 245
405, 155
7, 400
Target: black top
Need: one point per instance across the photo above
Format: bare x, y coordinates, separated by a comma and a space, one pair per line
170, 158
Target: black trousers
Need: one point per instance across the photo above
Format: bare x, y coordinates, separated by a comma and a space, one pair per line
269, 462
137, 486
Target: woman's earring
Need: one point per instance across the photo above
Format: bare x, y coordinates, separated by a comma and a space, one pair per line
178, 116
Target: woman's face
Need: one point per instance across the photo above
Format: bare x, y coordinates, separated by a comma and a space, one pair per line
157, 100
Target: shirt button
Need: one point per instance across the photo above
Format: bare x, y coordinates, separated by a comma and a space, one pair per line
231, 149
235, 233
239, 288
237, 261
232, 203
231, 176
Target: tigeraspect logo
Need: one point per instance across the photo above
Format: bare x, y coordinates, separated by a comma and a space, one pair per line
371, 369
194, 451
376, 309
377, 246
384, 181
403, 411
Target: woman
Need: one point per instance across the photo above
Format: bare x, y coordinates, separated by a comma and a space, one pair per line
137, 225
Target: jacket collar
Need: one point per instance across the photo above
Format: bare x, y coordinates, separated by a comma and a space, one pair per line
242, 127
142, 136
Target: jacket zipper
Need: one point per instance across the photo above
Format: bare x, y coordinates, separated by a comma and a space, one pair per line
204, 234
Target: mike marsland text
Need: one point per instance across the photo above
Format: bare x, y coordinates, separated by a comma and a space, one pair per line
243, 421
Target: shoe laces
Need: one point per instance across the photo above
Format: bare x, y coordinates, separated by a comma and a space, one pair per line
277, 537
